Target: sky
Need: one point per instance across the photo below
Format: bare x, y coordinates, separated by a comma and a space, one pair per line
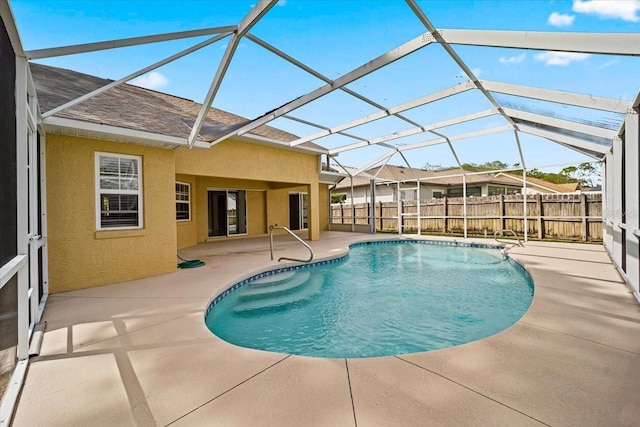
333, 38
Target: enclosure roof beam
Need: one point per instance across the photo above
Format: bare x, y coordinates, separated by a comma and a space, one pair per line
133, 75
369, 165
522, 161
564, 139
308, 123
343, 168
252, 18
6, 16
452, 53
456, 137
560, 97
595, 156
320, 76
133, 41
435, 96
371, 66
636, 102
627, 44
561, 123
416, 130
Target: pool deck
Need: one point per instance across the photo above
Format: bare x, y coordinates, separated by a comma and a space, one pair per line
139, 353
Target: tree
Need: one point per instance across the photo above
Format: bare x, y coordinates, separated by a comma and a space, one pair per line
338, 198
487, 166
587, 174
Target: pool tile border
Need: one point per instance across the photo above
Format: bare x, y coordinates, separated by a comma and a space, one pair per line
216, 300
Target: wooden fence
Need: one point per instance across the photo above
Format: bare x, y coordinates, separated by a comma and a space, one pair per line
576, 217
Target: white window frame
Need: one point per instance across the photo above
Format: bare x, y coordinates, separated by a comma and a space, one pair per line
187, 202
99, 191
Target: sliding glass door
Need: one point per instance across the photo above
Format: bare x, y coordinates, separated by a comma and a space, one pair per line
227, 212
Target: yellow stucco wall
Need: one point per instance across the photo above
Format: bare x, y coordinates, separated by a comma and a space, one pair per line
241, 160
233, 164
324, 207
81, 257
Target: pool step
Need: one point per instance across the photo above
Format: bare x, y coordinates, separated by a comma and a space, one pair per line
282, 285
274, 278
311, 287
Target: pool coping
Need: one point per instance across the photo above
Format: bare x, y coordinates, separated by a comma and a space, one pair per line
571, 359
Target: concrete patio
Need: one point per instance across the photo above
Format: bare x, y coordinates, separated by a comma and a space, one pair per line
139, 353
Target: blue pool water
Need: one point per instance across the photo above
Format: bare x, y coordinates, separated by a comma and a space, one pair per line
382, 299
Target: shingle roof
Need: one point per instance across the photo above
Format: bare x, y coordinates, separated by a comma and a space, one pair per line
132, 107
560, 188
448, 177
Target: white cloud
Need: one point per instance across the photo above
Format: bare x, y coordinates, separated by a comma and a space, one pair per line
516, 59
560, 58
560, 20
152, 80
281, 3
476, 71
615, 9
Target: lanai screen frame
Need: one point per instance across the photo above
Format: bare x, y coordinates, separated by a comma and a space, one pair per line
576, 136
620, 157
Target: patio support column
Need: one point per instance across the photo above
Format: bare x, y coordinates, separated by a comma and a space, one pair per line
372, 211
631, 202
464, 201
524, 186
313, 210
418, 208
399, 207
524, 190
353, 209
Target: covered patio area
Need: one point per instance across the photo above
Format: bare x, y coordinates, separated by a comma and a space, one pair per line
139, 353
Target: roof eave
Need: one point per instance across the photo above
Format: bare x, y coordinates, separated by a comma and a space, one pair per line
85, 129
263, 140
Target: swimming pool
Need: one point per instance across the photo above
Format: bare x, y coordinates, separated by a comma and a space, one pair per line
384, 298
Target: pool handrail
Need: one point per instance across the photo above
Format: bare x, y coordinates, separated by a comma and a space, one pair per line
509, 231
280, 227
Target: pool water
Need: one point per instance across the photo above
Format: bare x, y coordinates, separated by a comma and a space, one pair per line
380, 300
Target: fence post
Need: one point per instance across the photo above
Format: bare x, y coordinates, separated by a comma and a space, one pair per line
380, 204
341, 213
502, 224
583, 212
540, 215
444, 204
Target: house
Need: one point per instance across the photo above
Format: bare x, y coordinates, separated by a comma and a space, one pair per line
536, 185
393, 182
124, 193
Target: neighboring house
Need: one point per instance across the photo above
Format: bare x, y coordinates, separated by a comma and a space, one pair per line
393, 182
124, 193
535, 185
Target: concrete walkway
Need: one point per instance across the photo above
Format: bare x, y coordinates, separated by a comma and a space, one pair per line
139, 353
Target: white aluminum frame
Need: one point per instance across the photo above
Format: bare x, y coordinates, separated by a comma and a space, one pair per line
30, 240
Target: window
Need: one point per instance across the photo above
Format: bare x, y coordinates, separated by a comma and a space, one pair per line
118, 191
493, 191
183, 202
437, 194
457, 192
